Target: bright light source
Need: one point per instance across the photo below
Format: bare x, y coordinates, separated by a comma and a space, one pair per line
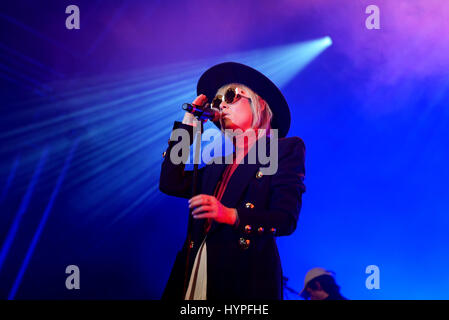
327, 41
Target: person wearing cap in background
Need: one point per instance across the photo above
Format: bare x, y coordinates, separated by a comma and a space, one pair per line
319, 284
232, 252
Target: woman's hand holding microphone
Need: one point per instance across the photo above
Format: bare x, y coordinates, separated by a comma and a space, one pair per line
189, 118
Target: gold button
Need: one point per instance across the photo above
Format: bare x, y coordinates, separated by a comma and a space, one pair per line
244, 243
163, 154
259, 174
248, 229
273, 230
249, 205
260, 230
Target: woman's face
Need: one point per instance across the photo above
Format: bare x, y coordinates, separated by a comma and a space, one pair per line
237, 115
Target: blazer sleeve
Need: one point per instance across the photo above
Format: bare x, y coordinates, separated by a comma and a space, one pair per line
286, 189
174, 180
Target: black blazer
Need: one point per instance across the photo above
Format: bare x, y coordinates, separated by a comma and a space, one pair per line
242, 262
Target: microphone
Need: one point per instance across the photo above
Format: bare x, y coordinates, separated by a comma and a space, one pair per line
206, 113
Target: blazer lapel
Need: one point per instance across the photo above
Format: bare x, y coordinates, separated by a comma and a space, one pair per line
238, 183
211, 177
241, 177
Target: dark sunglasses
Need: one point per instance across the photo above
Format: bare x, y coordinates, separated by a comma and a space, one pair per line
232, 95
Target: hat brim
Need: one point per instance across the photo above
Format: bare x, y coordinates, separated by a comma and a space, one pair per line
232, 72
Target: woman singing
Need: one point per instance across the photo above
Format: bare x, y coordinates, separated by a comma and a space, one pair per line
238, 210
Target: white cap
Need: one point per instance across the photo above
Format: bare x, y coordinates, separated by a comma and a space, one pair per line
312, 274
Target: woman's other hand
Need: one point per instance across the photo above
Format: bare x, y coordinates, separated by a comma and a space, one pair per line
206, 206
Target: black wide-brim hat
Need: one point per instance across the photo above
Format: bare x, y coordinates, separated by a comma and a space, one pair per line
232, 72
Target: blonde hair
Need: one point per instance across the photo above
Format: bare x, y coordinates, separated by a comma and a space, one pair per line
261, 111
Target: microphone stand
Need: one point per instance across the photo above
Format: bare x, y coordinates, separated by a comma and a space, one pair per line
197, 135
286, 287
